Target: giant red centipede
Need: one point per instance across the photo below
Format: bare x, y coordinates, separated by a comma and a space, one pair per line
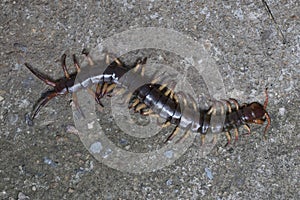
152, 97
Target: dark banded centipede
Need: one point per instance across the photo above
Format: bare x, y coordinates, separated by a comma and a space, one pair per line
149, 97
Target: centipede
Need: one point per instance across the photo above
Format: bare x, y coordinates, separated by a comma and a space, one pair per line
150, 97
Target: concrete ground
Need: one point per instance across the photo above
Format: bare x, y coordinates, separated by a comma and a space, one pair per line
48, 161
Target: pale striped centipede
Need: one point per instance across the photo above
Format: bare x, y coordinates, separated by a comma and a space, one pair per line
152, 97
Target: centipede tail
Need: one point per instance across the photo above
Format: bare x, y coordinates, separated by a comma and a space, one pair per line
46, 97
67, 84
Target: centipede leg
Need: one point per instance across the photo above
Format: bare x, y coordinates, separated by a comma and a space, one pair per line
41, 76
140, 107
147, 113
202, 139
166, 124
228, 105
186, 134
42, 102
76, 104
75, 61
63, 64
228, 138
140, 66
88, 57
110, 88
104, 88
236, 134
247, 128
173, 134
135, 103
97, 98
235, 102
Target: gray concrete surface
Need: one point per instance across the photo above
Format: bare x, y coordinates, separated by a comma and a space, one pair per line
48, 162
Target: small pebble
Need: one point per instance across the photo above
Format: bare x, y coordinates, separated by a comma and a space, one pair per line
21, 47
22, 196
107, 153
91, 125
13, 118
71, 190
282, 111
169, 182
96, 147
24, 103
1, 98
208, 173
72, 129
28, 120
50, 162
169, 154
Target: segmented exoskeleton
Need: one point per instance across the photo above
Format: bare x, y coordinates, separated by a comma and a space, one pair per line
150, 97
105, 81
160, 100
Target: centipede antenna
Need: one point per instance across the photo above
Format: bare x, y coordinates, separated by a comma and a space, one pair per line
268, 124
267, 99
276, 25
40, 76
76, 63
63, 64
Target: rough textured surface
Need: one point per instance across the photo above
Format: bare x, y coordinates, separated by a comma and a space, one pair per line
45, 161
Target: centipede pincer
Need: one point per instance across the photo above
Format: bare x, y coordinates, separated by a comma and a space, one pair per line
148, 97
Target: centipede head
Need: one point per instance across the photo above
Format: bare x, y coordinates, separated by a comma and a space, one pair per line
256, 113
